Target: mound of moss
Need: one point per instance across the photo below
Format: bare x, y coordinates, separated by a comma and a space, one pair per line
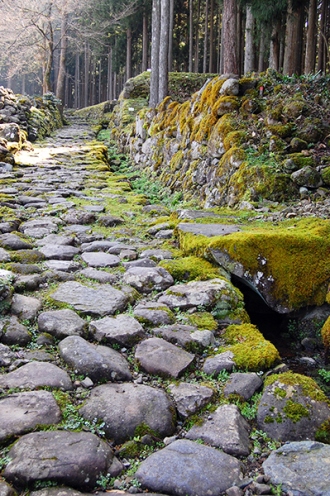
251, 350
287, 264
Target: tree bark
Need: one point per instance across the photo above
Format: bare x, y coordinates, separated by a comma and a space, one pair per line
248, 55
274, 55
144, 42
212, 47
60, 86
155, 42
110, 75
170, 35
191, 36
293, 40
206, 29
196, 65
229, 26
311, 38
128, 53
163, 49
262, 49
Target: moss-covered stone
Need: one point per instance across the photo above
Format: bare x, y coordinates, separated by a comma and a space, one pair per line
190, 268
251, 350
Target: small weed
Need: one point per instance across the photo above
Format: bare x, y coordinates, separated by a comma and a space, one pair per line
325, 374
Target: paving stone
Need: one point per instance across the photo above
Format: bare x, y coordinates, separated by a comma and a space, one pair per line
157, 356
190, 469
62, 323
36, 374
59, 252
100, 259
25, 307
95, 361
148, 279
122, 329
48, 456
189, 398
124, 407
245, 384
98, 300
21, 412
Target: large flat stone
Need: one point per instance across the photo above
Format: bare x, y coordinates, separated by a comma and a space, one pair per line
189, 469
98, 300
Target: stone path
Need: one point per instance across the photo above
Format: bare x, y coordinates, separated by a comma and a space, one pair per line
104, 365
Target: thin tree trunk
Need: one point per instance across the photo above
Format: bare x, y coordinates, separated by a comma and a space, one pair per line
144, 42
60, 86
196, 65
48, 61
206, 29
128, 53
262, 49
86, 79
110, 76
321, 56
170, 35
155, 42
191, 36
163, 49
274, 55
230, 59
310, 54
248, 56
212, 47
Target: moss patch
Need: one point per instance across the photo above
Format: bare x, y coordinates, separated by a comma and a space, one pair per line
251, 350
283, 254
307, 384
190, 268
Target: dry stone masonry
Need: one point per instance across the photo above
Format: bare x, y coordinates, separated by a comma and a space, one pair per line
116, 373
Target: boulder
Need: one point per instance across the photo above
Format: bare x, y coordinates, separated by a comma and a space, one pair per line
95, 362
125, 407
61, 323
292, 407
190, 469
300, 468
122, 329
73, 458
36, 374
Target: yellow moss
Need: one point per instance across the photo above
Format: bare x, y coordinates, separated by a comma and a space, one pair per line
294, 256
235, 138
251, 350
203, 129
225, 105
307, 384
325, 333
203, 320
190, 268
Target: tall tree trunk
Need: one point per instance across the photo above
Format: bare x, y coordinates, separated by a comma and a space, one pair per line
274, 55
163, 49
310, 54
196, 65
249, 52
110, 75
144, 42
60, 86
77, 100
262, 49
48, 60
155, 42
170, 35
206, 30
229, 26
191, 36
86, 72
212, 47
293, 40
323, 42
128, 53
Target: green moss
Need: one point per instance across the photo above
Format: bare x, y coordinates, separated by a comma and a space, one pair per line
295, 411
325, 333
279, 392
323, 433
282, 130
289, 252
203, 320
269, 420
27, 256
251, 350
190, 268
307, 384
325, 174
144, 429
